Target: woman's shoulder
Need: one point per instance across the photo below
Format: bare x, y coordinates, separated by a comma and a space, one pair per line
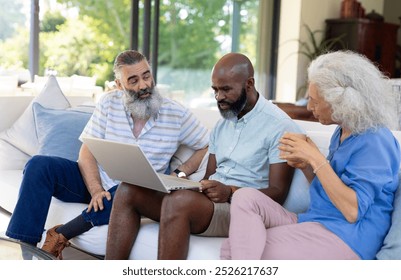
380, 133
379, 136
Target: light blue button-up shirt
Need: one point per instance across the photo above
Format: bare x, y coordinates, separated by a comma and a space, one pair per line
245, 148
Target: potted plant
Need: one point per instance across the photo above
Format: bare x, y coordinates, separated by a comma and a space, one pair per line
313, 47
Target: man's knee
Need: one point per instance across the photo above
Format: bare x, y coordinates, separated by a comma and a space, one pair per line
129, 195
185, 204
192, 207
178, 200
40, 164
245, 196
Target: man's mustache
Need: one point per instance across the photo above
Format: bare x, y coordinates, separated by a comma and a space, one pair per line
224, 102
144, 91
139, 93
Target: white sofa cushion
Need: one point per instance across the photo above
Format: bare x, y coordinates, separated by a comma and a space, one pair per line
10, 181
11, 157
11, 108
200, 247
22, 134
145, 247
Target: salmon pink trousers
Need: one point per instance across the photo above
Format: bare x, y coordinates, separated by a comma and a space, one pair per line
260, 228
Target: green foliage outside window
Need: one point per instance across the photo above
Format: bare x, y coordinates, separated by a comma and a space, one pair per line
191, 35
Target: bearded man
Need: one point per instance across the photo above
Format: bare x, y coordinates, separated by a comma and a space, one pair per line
135, 113
243, 152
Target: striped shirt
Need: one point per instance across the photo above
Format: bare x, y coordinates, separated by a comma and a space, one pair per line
174, 125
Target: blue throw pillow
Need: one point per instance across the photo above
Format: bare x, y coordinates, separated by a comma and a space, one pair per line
58, 131
391, 249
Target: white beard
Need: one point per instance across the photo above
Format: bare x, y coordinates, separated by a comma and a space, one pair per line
142, 108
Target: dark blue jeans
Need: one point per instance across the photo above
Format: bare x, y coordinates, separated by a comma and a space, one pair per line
46, 177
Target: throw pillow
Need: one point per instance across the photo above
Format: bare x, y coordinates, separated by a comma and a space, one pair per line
11, 158
58, 130
391, 249
22, 134
298, 197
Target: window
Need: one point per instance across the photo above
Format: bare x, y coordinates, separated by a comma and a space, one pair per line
193, 35
83, 37
14, 31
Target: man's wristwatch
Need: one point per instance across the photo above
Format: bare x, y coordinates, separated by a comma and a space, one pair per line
180, 174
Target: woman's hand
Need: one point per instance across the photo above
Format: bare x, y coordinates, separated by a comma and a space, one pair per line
299, 150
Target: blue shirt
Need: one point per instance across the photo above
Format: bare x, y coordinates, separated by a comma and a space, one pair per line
245, 148
368, 163
174, 125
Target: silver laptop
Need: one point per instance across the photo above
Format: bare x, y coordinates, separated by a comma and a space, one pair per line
127, 163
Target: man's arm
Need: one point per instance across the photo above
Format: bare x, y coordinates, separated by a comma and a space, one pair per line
193, 163
90, 173
211, 166
280, 178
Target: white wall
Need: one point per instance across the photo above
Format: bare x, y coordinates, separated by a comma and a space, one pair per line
291, 72
288, 48
316, 21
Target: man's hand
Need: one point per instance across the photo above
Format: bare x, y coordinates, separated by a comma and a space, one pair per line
96, 202
216, 191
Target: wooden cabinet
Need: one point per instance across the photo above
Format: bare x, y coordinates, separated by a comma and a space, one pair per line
375, 39
296, 112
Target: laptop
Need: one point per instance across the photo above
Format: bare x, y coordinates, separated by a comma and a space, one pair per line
127, 163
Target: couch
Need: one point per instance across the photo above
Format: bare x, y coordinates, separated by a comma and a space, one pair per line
49, 124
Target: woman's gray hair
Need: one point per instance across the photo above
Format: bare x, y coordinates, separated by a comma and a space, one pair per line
359, 94
129, 57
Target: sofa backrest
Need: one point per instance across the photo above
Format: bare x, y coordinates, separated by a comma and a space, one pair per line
207, 117
8, 84
11, 107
